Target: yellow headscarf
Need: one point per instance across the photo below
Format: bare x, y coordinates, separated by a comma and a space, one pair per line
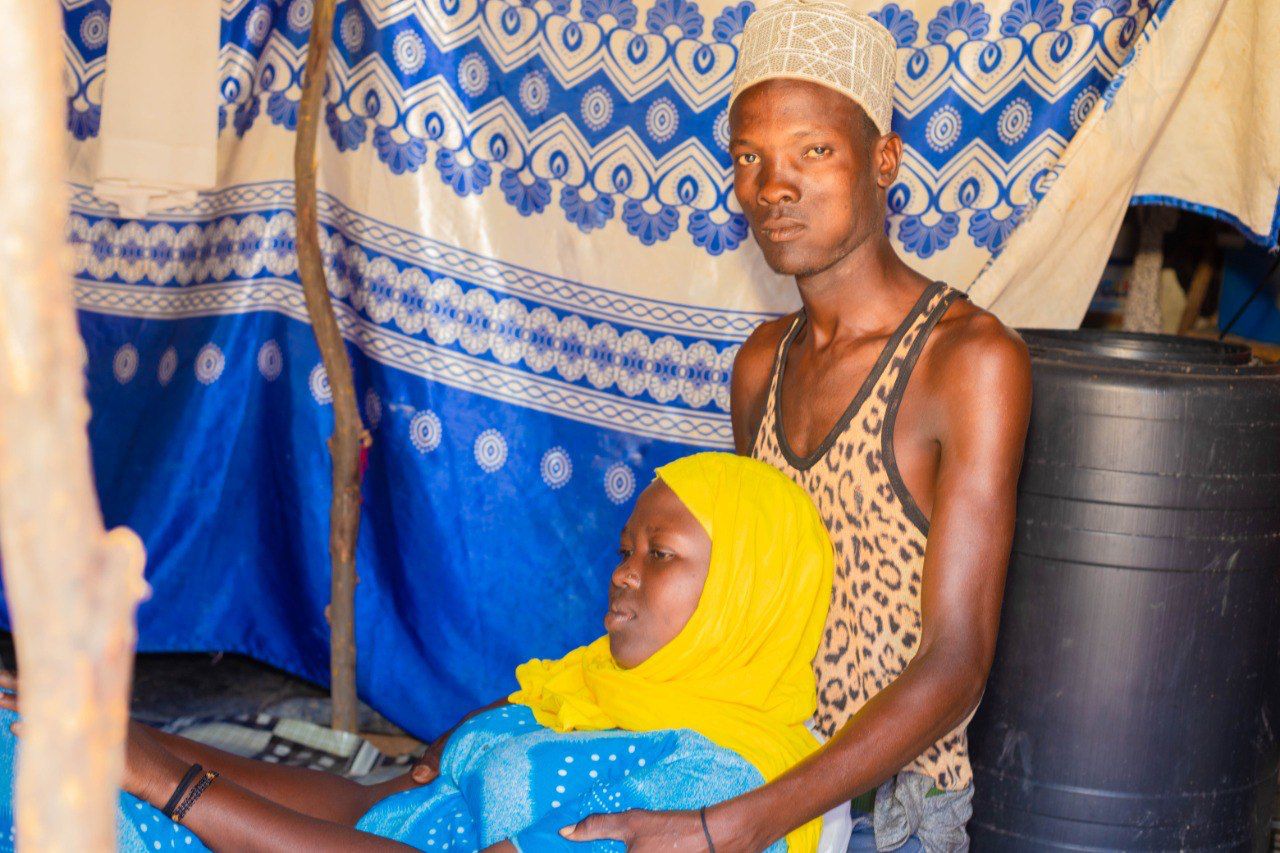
740, 672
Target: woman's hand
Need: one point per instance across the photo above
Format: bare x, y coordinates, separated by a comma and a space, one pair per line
427, 768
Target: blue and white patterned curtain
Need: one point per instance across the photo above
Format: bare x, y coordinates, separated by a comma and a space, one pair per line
528, 219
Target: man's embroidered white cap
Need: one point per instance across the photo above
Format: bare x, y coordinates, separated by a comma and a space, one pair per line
823, 42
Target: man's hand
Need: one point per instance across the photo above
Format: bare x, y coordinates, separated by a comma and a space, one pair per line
644, 831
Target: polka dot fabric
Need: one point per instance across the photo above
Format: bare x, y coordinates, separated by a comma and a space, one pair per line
505, 777
140, 828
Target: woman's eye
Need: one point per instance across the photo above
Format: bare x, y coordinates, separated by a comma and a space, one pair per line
659, 554
819, 151
624, 553
746, 159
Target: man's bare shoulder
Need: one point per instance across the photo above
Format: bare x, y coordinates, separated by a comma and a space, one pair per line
749, 385
973, 356
754, 361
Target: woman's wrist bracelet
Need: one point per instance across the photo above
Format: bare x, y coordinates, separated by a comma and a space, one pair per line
205, 781
702, 813
187, 778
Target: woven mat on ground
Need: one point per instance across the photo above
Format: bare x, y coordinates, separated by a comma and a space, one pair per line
294, 742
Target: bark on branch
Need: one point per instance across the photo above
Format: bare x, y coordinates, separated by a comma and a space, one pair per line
71, 587
348, 429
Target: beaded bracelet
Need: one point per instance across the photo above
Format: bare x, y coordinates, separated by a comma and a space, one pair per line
190, 776
181, 811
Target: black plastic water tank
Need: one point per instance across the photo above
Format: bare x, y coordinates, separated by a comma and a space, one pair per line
1135, 696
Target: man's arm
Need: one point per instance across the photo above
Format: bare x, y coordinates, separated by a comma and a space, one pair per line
985, 405
749, 385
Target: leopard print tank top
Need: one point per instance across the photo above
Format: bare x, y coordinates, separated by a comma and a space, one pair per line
879, 534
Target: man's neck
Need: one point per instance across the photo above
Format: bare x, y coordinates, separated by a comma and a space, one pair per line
865, 291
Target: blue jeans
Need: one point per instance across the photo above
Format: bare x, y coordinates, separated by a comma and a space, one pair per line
863, 839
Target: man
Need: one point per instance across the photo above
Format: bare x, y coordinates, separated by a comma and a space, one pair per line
902, 409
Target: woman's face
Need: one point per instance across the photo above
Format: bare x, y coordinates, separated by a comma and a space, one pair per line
654, 590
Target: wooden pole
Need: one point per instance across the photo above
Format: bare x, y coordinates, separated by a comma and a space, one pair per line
1205, 270
348, 429
71, 587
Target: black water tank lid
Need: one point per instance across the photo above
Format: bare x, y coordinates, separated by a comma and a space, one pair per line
1146, 354
1134, 346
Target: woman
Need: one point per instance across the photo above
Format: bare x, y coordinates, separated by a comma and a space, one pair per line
698, 692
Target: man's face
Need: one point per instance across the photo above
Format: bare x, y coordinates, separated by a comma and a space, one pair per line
810, 172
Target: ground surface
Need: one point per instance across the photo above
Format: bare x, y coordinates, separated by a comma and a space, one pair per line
169, 687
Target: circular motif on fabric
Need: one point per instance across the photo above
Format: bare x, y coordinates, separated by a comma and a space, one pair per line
125, 364
619, 482
168, 366
443, 309
477, 307
943, 129
372, 408
721, 130
258, 25
473, 74
540, 335
490, 450
701, 374
318, 382
633, 356
506, 327
300, 15
557, 467
247, 245
666, 369
209, 364
270, 361
535, 94
425, 431
1015, 121
408, 52
220, 239
160, 247
724, 365
1082, 106
600, 355
352, 30
662, 119
410, 312
100, 242
571, 342
131, 252
93, 30
187, 246
597, 107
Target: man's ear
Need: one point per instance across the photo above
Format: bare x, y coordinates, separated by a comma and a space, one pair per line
887, 158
